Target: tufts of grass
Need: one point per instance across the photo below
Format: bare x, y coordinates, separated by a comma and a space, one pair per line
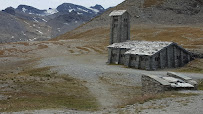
42, 46
1, 52
200, 84
38, 72
83, 48
194, 66
52, 91
149, 3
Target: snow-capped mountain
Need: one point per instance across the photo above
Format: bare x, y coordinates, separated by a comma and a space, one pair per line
45, 24
92, 11
63, 8
98, 8
30, 10
51, 11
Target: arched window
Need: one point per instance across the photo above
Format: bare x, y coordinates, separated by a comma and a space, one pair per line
157, 58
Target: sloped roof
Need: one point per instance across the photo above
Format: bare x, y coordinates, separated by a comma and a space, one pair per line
160, 80
141, 47
117, 12
170, 81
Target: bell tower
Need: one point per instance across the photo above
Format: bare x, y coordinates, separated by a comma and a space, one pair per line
120, 26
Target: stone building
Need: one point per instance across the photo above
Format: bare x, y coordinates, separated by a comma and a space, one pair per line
120, 26
147, 55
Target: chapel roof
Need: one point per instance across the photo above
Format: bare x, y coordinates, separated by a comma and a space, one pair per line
117, 12
141, 47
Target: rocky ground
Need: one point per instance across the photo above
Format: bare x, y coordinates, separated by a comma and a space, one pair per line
114, 87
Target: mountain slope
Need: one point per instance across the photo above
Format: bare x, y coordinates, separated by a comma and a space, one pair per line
13, 29
70, 16
29, 23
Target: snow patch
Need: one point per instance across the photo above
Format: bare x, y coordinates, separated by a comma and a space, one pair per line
70, 10
66, 23
35, 19
79, 13
24, 10
94, 10
83, 10
44, 20
51, 11
23, 33
59, 29
26, 22
39, 31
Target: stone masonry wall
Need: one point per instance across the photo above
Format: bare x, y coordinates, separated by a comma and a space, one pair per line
150, 85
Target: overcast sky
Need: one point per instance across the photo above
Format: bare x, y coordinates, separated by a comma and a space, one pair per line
45, 4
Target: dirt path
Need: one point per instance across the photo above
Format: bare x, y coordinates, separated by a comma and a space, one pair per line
102, 94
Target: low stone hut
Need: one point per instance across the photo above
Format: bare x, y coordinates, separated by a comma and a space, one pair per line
148, 55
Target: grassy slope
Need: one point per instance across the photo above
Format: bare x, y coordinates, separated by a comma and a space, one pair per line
41, 89
195, 66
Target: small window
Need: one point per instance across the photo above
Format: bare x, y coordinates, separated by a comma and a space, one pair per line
157, 58
122, 55
125, 20
133, 58
115, 19
115, 25
113, 55
142, 58
178, 57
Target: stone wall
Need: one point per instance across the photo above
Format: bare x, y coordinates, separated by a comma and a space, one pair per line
169, 57
152, 84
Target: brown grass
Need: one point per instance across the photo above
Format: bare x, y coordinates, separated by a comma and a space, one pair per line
83, 48
71, 51
42, 46
2, 52
12, 50
41, 89
93, 33
149, 3
22, 43
200, 84
180, 35
195, 66
96, 49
